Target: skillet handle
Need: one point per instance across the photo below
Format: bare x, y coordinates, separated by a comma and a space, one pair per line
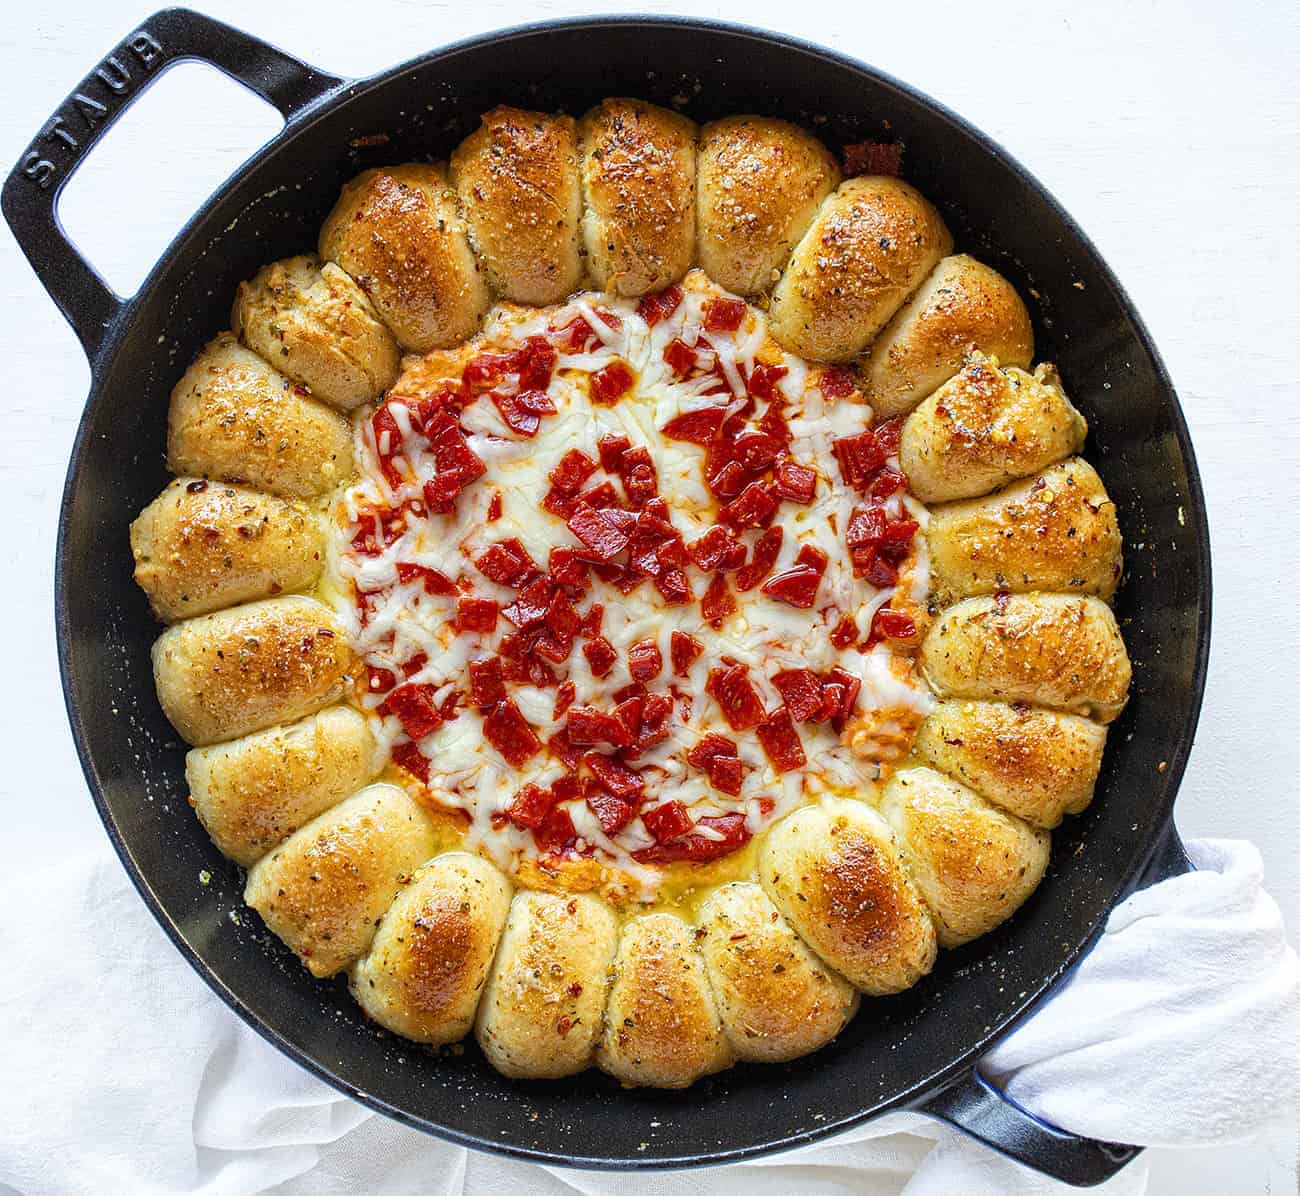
31, 192
973, 1105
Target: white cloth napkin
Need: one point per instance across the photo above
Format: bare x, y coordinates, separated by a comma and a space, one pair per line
123, 1073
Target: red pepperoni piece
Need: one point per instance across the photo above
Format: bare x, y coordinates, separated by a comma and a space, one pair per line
763, 380
796, 482
766, 549
414, 708
530, 607
796, 586
667, 821
562, 747
727, 775
483, 372
710, 747
718, 601
592, 620
866, 526
587, 725
508, 731
881, 574
753, 507
476, 614
731, 688
611, 450
728, 481
729, 833
520, 411
486, 687
610, 384
859, 457
631, 701
837, 382
613, 813
780, 741
755, 451
851, 687
508, 563
655, 713
813, 557
556, 833
659, 305
644, 660
695, 427
572, 471
713, 550
530, 806
600, 654
409, 757
615, 776
893, 624
845, 633
564, 698
886, 482
801, 689
679, 356
378, 680
723, 315
597, 533
574, 336
494, 507
414, 665
388, 443
535, 362
639, 477
684, 650
674, 586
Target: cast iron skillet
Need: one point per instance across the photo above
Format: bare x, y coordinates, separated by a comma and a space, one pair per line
917, 1050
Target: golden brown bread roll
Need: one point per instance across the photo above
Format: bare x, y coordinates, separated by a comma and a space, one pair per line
203, 545
543, 1009
426, 968
1053, 650
1056, 531
872, 243
661, 1022
253, 792
399, 233
974, 864
985, 427
235, 419
761, 181
517, 178
240, 670
322, 891
777, 1000
1038, 764
964, 304
314, 324
638, 187
836, 874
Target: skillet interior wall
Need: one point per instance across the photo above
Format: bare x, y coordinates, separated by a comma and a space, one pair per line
276, 209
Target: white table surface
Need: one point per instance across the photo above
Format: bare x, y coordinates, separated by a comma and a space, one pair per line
1170, 131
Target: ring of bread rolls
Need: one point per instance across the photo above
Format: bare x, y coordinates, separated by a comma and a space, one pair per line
847, 895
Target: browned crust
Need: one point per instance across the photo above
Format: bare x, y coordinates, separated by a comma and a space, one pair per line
638, 180
1057, 531
1051, 650
398, 232
761, 181
200, 546
517, 178
870, 246
1037, 764
228, 674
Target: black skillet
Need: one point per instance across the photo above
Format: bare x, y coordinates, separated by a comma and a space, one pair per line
915, 1051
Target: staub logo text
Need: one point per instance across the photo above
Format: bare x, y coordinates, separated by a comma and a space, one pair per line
100, 94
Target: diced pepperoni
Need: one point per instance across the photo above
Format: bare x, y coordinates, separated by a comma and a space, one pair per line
562, 747
801, 690
535, 362
672, 554
728, 481
755, 451
881, 574
667, 821
486, 687
711, 550
659, 305
780, 741
613, 813
796, 482
587, 725
494, 507
414, 665
507, 563
530, 806
859, 457
718, 601
679, 356
508, 731
728, 833
685, 650
845, 633
837, 382
564, 698
631, 701
732, 689
893, 624
571, 473
813, 557
710, 747
521, 411
615, 776
611, 383
409, 757
597, 533
766, 549
866, 526
886, 482
611, 450
592, 620
727, 774
723, 315
574, 336
414, 708
434, 582
695, 427
600, 654
562, 618
753, 507
388, 443
557, 833
483, 372
796, 586
674, 586
476, 614
900, 531
763, 380
531, 605
379, 680
639, 478
851, 687
644, 660
655, 713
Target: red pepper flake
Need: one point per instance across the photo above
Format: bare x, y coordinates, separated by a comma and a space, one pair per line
508, 731
600, 655
530, 806
718, 601
766, 549
796, 482
644, 660
414, 708
611, 450
731, 688
508, 563
679, 356
723, 315
476, 614
610, 384
695, 427
494, 507
781, 742
873, 157
728, 833
684, 650
615, 776
667, 821
486, 687
659, 305
613, 813
801, 689
753, 507
409, 757
597, 533
587, 725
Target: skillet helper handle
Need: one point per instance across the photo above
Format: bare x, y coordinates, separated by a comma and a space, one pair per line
31, 192
976, 1107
